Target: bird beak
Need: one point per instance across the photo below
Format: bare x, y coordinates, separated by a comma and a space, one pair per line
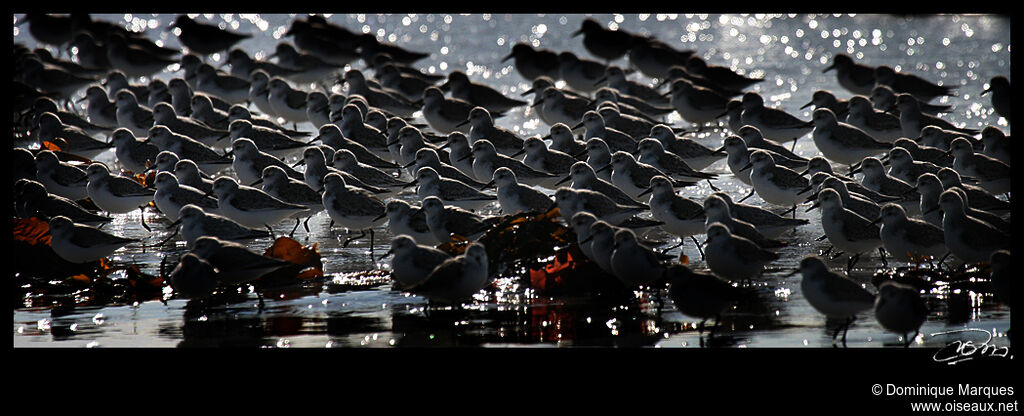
487, 185
606, 167
507, 57
80, 99
909, 191
174, 224
390, 250
375, 220
300, 162
855, 170
411, 184
745, 167
536, 103
936, 208
816, 204
518, 153
645, 192
444, 146
793, 273
577, 33
564, 180
446, 86
408, 165
876, 221
589, 237
464, 157
577, 156
807, 105
986, 91
805, 189
577, 126
462, 123
720, 149
527, 92
603, 79
258, 181
830, 67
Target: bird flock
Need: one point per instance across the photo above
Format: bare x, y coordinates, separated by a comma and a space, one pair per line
231, 159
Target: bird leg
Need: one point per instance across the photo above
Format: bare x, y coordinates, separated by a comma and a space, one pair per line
142, 218
713, 187
361, 235
296, 227
852, 261
698, 247
670, 248
305, 224
881, 252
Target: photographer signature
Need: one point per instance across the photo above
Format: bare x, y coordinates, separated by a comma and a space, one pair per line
963, 350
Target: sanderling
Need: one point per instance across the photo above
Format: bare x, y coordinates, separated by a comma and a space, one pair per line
368, 43
79, 243
461, 154
236, 264
922, 153
881, 126
571, 201
652, 153
189, 174
134, 62
583, 176
32, 199
633, 177
427, 157
905, 168
616, 79
482, 126
909, 238
266, 139
392, 103
115, 194
695, 104
249, 162
443, 114
543, 159
352, 207
999, 86
117, 81
716, 210
75, 140
841, 142
693, 153
409, 220
855, 77
631, 105
682, 216
607, 44
51, 79
833, 295
182, 97
848, 231
913, 121
411, 87
633, 263
632, 126
287, 102
61, 178
90, 52
595, 127
883, 98
826, 99
581, 223
449, 191
278, 184
655, 58
514, 197
171, 196
411, 140
533, 63
598, 157
562, 140
776, 184
479, 94
852, 201
754, 138
934, 136
739, 158
232, 89
456, 279
412, 262
205, 38
969, 239
188, 148
259, 91
346, 161
770, 224
920, 88
991, 174
242, 65
249, 206
997, 144
984, 215
46, 104
700, 295
311, 40
774, 124
899, 308
734, 258
239, 112
100, 109
196, 223
558, 107
486, 159
720, 75
164, 114
132, 115
158, 93
930, 188
578, 73
331, 135
193, 277
446, 221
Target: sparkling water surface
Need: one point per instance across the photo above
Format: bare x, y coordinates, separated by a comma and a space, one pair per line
790, 51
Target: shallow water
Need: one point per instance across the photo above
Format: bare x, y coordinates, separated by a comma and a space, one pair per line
788, 50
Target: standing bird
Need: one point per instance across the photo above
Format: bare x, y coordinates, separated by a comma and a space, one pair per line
205, 39
846, 230
606, 44
456, 279
909, 238
920, 88
881, 126
580, 74
700, 295
352, 207
412, 262
774, 124
115, 194
999, 86
841, 142
533, 63
479, 94
734, 258
968, 238
900, 309
914, 121
249, 206
825, 99
720, 75
833, 295
855, 77
79, 243
991, 174
695, 104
